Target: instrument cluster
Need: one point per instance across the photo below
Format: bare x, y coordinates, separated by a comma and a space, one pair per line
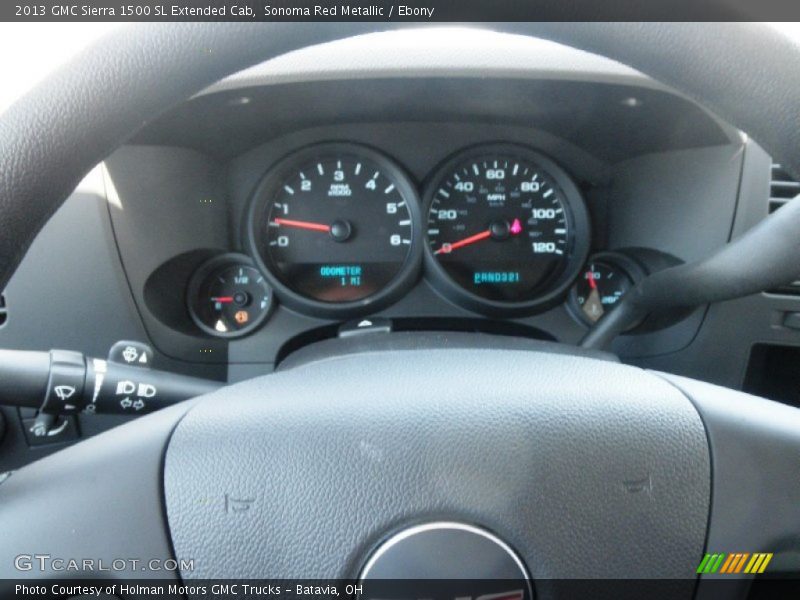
339, 230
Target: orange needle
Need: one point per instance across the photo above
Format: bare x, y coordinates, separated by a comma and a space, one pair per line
448, 248
303, 225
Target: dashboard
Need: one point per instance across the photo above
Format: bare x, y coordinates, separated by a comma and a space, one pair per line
443, 241
512, 206
436, 182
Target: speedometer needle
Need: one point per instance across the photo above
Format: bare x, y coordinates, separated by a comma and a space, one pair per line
499, 230
448, 248
303, 225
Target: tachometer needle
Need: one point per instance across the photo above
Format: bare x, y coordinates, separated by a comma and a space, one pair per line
303, 225
223, 299
448, 248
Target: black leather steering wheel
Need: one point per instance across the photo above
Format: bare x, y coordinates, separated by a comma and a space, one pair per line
338, 452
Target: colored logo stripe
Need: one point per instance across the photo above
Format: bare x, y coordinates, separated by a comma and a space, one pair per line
711, 563
758, 563
734, 563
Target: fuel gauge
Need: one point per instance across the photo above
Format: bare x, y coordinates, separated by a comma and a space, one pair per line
228, 296
606, 278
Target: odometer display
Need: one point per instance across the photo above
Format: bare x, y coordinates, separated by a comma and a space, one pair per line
335, 224
502, 225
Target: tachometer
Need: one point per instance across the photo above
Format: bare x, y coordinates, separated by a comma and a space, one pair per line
337, 228
507, 229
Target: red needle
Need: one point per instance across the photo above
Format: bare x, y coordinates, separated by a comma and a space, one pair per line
592, 282
448, 248
303, 225
223, 299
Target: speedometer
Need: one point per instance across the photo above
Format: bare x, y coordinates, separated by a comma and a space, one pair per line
507, 230
336, 228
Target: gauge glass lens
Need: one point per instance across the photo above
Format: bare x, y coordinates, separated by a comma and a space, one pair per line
336, 228
230, 299
500, 226
598, 290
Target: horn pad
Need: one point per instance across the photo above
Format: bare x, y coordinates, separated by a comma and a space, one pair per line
587, 468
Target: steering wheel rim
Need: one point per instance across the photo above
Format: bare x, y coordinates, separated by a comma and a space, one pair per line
151, 68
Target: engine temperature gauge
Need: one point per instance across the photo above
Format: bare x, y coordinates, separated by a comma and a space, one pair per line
228, 296
606, 278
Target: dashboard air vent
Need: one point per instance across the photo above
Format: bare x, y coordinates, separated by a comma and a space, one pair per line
782, 188
3, 310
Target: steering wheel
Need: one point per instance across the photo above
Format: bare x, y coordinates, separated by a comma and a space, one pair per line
572, 465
